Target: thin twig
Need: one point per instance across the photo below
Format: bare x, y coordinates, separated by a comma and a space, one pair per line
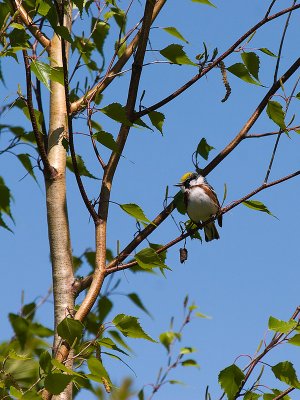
260, 135
215, 63
284, 393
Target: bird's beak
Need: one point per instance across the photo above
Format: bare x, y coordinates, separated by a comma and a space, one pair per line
178, 184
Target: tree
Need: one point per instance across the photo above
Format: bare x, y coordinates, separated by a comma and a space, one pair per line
73, 65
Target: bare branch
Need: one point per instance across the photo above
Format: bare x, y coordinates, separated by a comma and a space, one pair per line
82, 102
33, 29
215, 63
260, 135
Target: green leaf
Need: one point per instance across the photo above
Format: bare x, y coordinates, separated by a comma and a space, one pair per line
148, 258
64, 33
174, 32
204, 148
130, 327
117, 337
26, 162
251, 61
251, 396
276, 392
116, 112
179, 202
137, 301
230, 380
15, 392
257, 205
175, 53
166, 339
63, 368
242, 72
157, 119
45, 362
56, 383
5, 198
71, 330
99, 34
15, 356
110, 344
104, 307
19, 38
207, 2
79, 4
189, 363
41, 71
83, 171
267, 51
278, 325
285, 372
106, 139
20, 326
135, 211
57, 75
187, 350
163, 254
295, 340
276, 113
41, 330
97, 369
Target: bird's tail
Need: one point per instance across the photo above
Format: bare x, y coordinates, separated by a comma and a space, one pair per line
211, 232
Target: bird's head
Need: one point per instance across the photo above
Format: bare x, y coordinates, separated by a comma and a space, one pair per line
186, 179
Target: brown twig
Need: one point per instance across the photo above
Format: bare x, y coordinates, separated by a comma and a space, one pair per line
284, 393
215, 63
81, 103
33, 29
260, 135
89, 123
48, 169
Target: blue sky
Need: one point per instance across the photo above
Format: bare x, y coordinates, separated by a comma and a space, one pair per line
240, 280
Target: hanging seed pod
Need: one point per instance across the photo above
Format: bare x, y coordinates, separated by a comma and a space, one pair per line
183, 254
225, 81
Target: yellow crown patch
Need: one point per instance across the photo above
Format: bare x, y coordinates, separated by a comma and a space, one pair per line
186, 176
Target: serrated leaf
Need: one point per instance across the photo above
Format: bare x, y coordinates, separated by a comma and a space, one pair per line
148, 258
242, 72
117, 337
97, 369
285, 372
251, 61
26, 162
106, 139
116, 112
275, 392
70, 330
174, 32
64, 33
278, 325
295, 340
41, 71
157, 119
189, 363
206, 2
230, 380
45, 362
176, 54
83, 171
138, 302
110, 344
203, 148
130, 327
56, 383
251, 396
267, 51
99, 34
257, 205
276, 113
135, 211
166, 339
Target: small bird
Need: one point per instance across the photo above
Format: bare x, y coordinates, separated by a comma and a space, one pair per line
201, 202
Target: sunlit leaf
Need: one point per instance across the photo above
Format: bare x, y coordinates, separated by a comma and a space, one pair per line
97, 369
285, 372
204, 148
257, 205
176, 54
116, 112
130, 327
276, 113
174, 32
83, 171
166, 339
148, 258
189, 363
206, 2
106, 139
135, 211
157, 119
242, 72
295, 340
281, 326
230, 380
267, 51
110, 344
251, 61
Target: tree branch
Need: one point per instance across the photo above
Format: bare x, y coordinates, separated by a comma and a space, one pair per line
81, 103
213, 64
33, 29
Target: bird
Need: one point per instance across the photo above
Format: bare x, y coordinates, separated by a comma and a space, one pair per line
201, 202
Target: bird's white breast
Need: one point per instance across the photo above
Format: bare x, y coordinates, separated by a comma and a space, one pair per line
200, 207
